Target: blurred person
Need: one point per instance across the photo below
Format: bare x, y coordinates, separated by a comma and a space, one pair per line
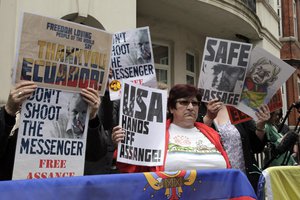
274, 138
277, 120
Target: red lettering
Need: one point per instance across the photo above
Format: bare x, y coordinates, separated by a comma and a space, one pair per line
48, 163
37, 175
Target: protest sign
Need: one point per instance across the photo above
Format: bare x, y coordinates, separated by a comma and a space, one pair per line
265, 76
236, 116
143, 117
52, 135
223, 70
132, 59
63, 55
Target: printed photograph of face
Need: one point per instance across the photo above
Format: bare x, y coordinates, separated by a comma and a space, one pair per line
77, 116
226, 77
143, 47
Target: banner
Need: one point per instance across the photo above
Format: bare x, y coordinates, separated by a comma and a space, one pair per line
226, 184
280, 182
265, 76
223, 70
132, 59
52, 135
143, 117
63, 55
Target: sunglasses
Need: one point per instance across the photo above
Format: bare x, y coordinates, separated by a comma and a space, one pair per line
187, 102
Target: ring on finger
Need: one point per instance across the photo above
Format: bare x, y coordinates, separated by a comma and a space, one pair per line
20, 93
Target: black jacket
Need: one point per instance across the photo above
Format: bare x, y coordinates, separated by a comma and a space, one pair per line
109, 116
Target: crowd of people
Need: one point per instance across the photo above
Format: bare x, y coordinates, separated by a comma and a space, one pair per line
201, 132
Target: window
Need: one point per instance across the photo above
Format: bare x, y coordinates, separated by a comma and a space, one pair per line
295, 19
280, 18
162, 62
190, 69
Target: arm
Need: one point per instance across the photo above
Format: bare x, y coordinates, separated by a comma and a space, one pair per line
96, 146
249, 128
6, 124
17, 95
105, 112
213, 107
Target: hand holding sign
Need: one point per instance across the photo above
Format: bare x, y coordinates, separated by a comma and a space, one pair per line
118, 135
18, 95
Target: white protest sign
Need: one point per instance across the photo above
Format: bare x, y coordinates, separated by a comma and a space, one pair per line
223, 70
52, 135
131, 59
143, 117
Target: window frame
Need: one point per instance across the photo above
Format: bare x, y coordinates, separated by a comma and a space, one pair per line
166, 67
188, 72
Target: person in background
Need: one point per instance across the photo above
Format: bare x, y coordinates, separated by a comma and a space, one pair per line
274, 139
277, 119
96, 146
241, 141
197, 145
108, 112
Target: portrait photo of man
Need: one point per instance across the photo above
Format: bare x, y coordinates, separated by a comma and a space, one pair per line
140, 50
143, 47
72, 122
77, 117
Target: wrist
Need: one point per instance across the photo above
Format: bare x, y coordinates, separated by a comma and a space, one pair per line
260, 129
207, 120
10, 111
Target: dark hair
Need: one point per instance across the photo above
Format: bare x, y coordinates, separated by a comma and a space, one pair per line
182, 91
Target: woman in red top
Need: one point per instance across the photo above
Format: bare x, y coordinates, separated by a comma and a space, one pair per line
190, 145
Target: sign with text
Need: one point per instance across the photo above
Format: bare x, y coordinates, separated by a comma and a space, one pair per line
265, 76
223, 70
143, 117
63, 55
236, 116
132, 59
52, 135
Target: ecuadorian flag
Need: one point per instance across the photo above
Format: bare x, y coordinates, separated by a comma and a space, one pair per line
203, 184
